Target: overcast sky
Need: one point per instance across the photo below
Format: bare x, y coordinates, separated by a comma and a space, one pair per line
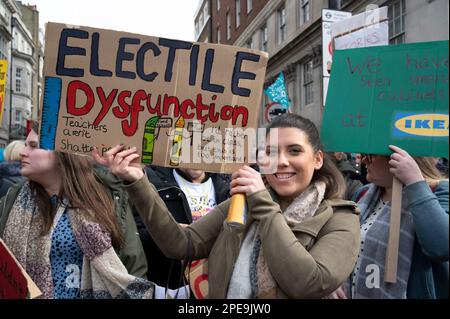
162, 18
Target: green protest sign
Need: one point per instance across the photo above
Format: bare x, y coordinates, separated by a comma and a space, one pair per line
389, 95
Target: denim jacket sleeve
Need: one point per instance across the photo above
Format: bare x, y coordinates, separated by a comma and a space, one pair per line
430, 214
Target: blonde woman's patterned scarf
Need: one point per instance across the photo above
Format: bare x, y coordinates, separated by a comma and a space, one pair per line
103, 274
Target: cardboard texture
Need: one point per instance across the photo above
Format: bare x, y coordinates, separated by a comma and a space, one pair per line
389, 95
104, 87
3, 71
359, 21
377, 34
14, 281
197, 275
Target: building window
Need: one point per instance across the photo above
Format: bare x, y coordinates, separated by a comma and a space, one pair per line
263, 33
200, 21
18, 116
249, 6
3, 48
238, 13
218, 5
4, 13
281, 24
32, 86
27, 83
396, 14
249, 43
218, 34
308, 82
304, 11
228, 26
206, 12
15, 42
18, 80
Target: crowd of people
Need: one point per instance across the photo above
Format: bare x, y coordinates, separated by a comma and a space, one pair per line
317, 226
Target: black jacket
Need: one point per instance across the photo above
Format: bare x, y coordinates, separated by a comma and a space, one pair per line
9, 176
351, 176
162, 270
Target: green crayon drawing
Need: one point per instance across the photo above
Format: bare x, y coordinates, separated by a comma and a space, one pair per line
148, 141
177, 140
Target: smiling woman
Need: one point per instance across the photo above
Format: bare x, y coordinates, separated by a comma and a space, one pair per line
300, 161
295, 226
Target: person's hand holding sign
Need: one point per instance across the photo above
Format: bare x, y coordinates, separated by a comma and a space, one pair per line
120, 162
246, 181
404, 167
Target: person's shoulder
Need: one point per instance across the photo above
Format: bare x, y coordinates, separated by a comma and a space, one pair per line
11, 190
346, 166
443, 184
160, 176
158, 171
342, 206
441, 188
360, 192
223, 178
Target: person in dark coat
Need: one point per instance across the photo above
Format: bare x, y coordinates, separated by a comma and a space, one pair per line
10, 168
163, 271
350, 172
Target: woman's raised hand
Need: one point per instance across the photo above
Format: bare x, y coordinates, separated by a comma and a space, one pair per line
404, 167
120, 162
246, 181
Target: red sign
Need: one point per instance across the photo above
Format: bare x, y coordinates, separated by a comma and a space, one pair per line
273, 110
198, 278
13, 284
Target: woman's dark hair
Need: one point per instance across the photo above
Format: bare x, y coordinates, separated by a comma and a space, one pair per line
328, 173
84, 192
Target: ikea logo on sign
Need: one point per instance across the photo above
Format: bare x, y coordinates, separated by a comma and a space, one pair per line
421, 124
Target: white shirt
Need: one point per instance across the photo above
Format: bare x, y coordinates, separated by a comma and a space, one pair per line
201, 197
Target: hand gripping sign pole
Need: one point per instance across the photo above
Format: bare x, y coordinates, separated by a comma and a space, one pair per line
390, 268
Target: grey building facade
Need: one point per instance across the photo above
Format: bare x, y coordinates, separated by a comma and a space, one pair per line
7, 9
21, 47
202, 21
291, 32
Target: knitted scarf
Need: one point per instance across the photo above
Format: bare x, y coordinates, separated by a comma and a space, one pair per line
263, 285
103, 275
373, 251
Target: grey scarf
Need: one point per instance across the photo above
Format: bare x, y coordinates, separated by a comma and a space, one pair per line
373, 253
103, 274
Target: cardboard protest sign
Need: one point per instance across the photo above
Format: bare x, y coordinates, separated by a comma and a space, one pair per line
14, 281
197, 275
370, 36
369, 28
176, 101
3, 69
389, 95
